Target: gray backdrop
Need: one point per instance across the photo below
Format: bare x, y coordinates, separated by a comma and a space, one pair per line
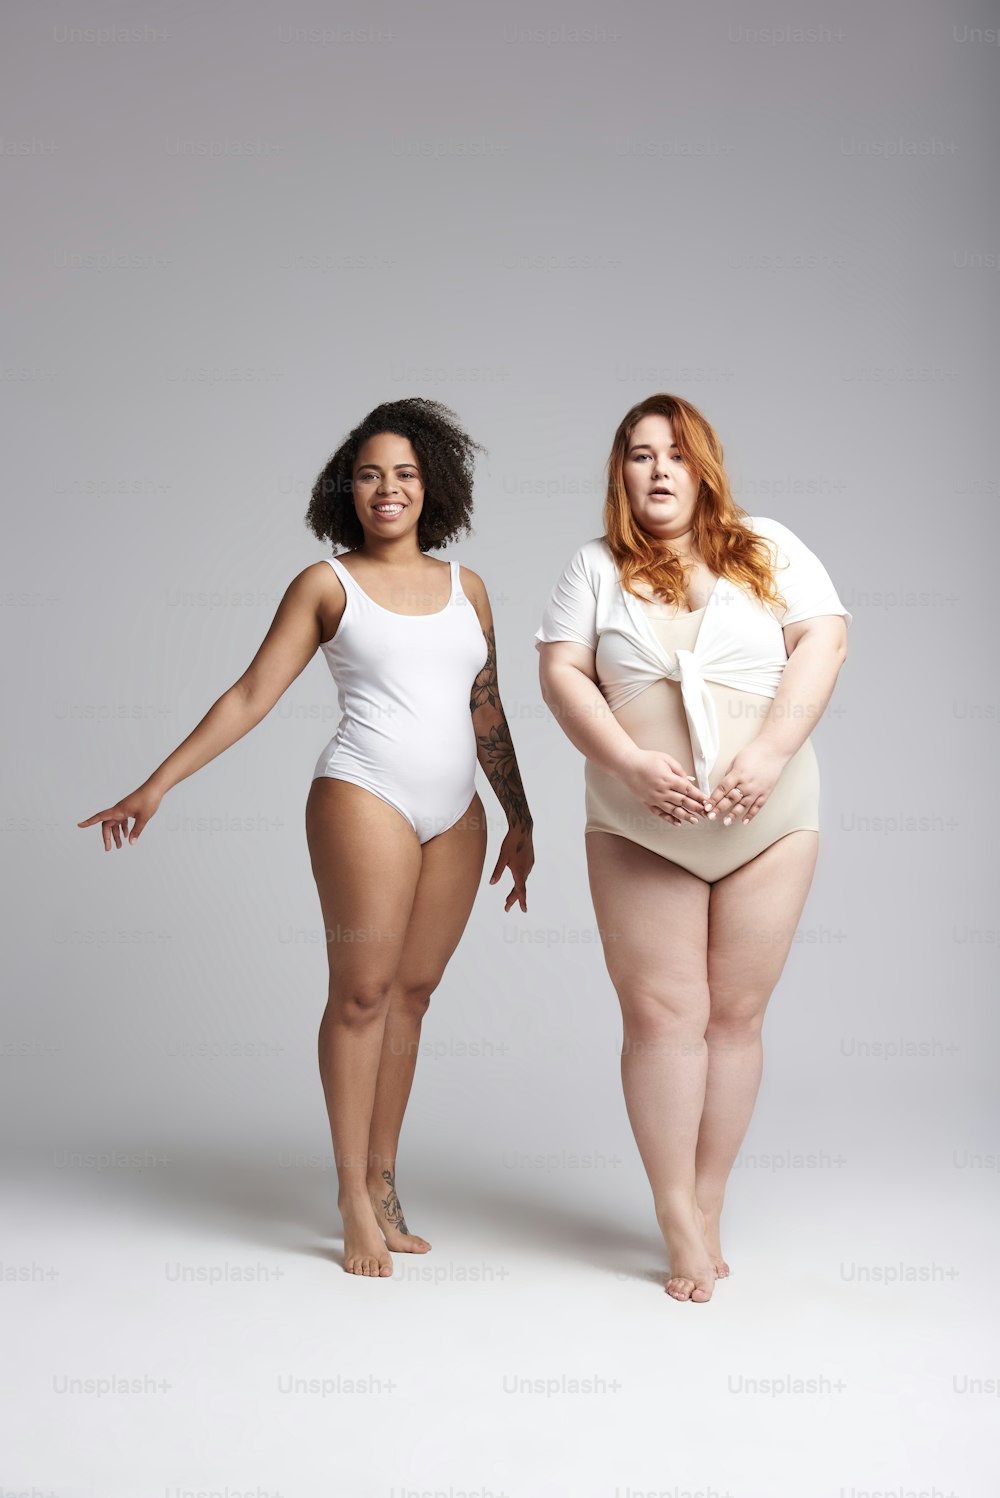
234, 229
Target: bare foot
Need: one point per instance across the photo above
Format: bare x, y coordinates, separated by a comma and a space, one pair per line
710, 1229
364, 1250
389, 1215
692, 1273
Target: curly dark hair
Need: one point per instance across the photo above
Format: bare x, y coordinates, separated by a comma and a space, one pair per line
446, 454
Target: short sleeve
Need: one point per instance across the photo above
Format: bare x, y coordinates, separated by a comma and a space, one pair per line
800, 577
571, 612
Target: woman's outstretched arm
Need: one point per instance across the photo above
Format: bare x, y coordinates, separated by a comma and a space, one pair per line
285, 651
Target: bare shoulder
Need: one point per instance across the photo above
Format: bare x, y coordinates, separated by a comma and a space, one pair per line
472, 585
475, 591
318, 589
317, 581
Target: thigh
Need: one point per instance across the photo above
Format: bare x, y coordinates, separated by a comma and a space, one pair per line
652, 916
451, 868
752, 916
366, 862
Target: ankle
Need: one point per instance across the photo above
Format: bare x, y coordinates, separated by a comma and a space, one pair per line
377, 1173
354, 1198
710, 1202
675, 1206
710, 1196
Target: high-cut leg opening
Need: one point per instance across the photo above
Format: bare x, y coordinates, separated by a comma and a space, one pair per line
761, 851
355, 780
455, 820
655, 852
698, 852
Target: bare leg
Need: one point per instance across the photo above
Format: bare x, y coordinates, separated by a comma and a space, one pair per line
366, 862
452, 866
653, 918
752, 916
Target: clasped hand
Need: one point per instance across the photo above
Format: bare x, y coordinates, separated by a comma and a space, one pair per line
666, 789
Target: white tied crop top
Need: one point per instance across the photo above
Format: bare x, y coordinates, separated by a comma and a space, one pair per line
739, 642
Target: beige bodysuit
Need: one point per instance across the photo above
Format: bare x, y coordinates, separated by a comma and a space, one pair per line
655, 719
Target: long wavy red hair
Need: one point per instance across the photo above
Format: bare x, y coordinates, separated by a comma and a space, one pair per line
726, 544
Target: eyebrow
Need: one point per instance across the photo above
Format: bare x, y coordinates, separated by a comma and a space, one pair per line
639, 446
395, 465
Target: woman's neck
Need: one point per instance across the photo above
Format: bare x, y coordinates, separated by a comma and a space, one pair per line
682, 553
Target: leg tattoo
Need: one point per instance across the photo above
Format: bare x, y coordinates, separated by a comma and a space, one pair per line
391, 1206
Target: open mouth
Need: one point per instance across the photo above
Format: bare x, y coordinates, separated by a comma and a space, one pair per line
662, 493
389, 509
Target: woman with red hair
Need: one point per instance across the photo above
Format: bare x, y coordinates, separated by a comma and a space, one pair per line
688, 653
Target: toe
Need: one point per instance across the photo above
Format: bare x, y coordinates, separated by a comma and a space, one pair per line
407, 1243
702, 1292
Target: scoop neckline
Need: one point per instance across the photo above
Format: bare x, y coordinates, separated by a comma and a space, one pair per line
639, 600
643, 621
669, 617
395, 612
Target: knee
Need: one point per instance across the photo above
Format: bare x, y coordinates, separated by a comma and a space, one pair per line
358, 1002
737, 1021
413, 997
655, 1013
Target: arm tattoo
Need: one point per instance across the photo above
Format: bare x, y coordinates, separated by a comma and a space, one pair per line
485, 692
495, 748
496, 755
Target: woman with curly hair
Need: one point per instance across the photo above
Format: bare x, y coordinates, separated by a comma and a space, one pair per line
396, 831
688, 653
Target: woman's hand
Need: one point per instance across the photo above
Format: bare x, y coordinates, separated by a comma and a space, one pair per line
141, 805
518, 855
754, 774
664, 787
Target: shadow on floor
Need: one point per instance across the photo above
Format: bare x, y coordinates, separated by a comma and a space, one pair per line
290, 1204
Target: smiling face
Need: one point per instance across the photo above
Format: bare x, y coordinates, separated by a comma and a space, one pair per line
388, 486
662, 492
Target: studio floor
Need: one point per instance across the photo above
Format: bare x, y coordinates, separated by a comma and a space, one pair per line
183, 1326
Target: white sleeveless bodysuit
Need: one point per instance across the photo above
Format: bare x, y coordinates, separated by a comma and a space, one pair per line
404, 684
